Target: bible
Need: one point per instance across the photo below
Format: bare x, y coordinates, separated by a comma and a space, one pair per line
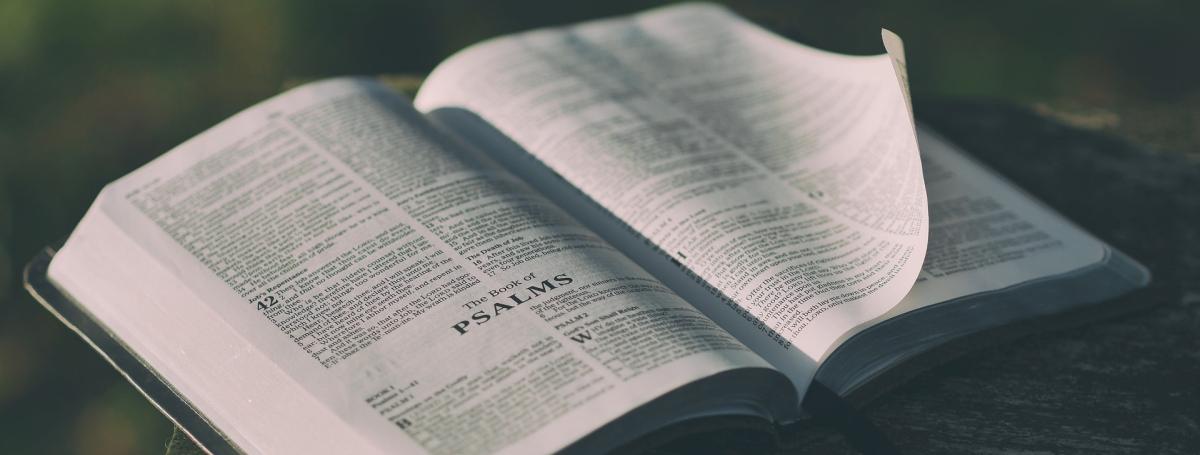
570, 239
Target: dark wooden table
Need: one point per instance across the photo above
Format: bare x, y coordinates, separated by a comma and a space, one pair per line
1128, 384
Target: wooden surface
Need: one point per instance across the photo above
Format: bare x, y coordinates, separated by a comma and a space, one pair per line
1125, 385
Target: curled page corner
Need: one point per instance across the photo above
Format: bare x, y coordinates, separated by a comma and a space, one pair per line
895, 49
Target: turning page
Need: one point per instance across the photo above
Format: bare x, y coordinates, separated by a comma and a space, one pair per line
367, 265
996, 257
780, 185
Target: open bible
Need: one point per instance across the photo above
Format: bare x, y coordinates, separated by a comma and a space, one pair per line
572, 238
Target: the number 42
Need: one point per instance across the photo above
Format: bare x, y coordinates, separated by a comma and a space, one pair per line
266, 302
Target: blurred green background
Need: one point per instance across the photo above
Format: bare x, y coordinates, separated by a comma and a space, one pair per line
91, 89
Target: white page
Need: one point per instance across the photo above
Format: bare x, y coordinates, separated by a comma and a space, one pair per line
253, 404
424, 296
784, 177
986, 233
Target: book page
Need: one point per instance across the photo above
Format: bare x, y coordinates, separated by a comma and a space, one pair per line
987, 234
996, 257
784, 180
422, 294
